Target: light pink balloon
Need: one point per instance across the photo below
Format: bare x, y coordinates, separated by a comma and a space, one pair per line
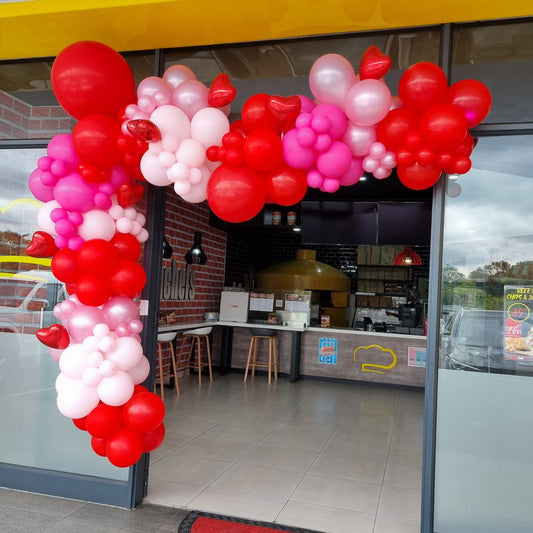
208, 126
294, 155
74, 193
73, 361
119, 309
127, 353
55, 354
190, 96
334, 162
330, 79
75, 399
141, 371
82, 320
43, 217
153, 171
359, 138
97, 224
191, 152
117, 389
171, 119
152, 85
353, 174
381, 173
198, 192
42, 192
367, 102
176, 74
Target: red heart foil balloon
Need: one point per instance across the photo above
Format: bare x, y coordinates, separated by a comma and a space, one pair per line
55, 336
129, 194
285, 110
144, 129
41, 245
221, 92
374, 64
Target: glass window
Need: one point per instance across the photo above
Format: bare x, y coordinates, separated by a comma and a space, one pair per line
501, 56
483, 465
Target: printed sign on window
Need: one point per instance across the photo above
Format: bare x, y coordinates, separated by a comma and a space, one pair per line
327, 351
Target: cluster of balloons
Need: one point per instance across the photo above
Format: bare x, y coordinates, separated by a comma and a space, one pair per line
89, 183
174, 130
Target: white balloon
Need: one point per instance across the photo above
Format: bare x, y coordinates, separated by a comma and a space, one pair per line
43, 217
76, 399
117, 389
153, 171
171, 120
208, 126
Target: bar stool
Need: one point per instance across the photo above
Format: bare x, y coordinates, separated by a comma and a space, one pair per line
261, 333
196, 336
162, 340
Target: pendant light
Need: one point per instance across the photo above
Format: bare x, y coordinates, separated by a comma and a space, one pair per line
407, 257
196, 256
167, 249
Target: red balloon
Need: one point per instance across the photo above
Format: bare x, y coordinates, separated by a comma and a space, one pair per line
445, 160
80, 423
286, 185
95, 140
92, 290
444, 126
405, 157
466, 146
425, 156
418, 177
422, 86
104, 421
99, 446
462, 164
98, 257
90, 77
143, 412
127, 246
153, 439
128, 278
391, 131
473, 98
236, 194
256, 114
262, 150
65, 265
124, 448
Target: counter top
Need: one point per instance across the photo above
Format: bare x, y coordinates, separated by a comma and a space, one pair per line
350, 331
193, 325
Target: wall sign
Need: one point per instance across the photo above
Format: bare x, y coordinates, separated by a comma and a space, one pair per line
327, 351
177, 284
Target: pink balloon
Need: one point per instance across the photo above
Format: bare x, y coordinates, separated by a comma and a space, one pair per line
367, 102
55, 354
315, 179
75, 399
198, 192
97, 224
156, 88
126, 354
141, 371
171, 120
208, 126
61, 148
307, 104
74, 193
117, 389
330, 79
359, 138
330, 185
42, 192
177, 74
334, 162
336, 118
73, 361
81, 322
353, 174
153, 171
190, 96
119, 309
43, 217
295, 155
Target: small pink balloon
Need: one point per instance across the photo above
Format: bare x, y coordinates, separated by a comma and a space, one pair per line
74, 193
294, 155
359, 138
42, 192
336, 118
381, 173
330, 185
307, 104
335, 161
139, 373
97, 224
190, 96
152, 85
81, 322
119, 310
55, 354
377, 150
353, 174
314, 179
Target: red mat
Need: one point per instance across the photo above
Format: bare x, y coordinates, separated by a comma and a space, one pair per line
196, 522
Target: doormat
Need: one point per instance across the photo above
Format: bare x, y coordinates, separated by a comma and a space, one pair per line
197, 522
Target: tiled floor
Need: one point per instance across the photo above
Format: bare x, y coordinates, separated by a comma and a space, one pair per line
335, 458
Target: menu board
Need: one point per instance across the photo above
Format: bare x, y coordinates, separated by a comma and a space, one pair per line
518, 323
261, 302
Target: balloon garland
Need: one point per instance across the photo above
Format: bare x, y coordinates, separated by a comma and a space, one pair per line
174, 130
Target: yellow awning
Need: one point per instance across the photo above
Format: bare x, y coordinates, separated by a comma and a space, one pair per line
42, 28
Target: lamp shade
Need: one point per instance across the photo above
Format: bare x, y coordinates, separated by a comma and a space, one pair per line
196, 256
407, 257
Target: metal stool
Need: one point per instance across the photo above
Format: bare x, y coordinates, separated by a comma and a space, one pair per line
260, 333
162, 339
196, 336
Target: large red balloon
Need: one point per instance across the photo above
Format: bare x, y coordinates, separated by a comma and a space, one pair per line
127, 246
65, 265
422, 85
98, 257
418, 177
153, 439
128, 278
391, 131
256, 114
143, 412
104, 421
262, 150
90, 77
93, 290
286, 185
443, 127
124, 448
236, 194
94, 138
473, 98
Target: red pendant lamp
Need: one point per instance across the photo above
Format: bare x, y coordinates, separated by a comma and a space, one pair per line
407, 257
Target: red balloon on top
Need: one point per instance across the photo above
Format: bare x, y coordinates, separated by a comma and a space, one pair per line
89, 77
